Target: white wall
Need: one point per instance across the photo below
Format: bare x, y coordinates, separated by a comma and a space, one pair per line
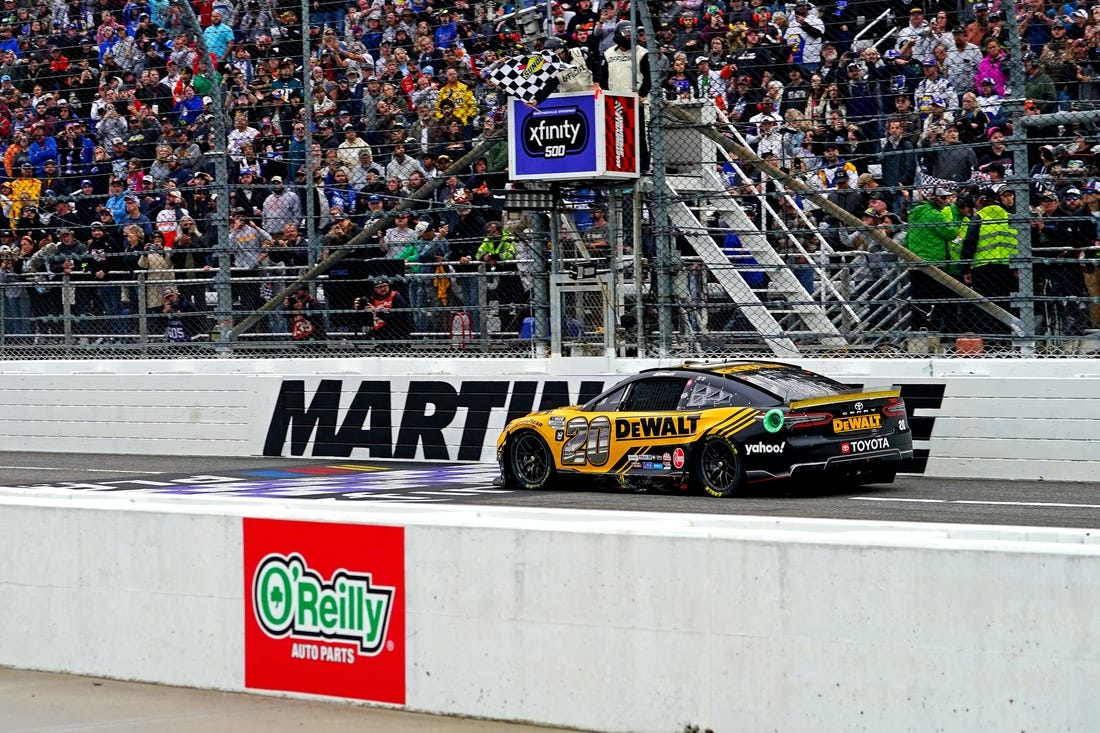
1013, 419
601, 620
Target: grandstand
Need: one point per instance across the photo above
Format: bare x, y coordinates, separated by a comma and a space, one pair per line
869, 178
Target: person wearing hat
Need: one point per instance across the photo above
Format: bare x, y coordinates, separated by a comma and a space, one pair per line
987, 249
978, 29
805, 35
934, 86
27, 187
929, 236
1038, 86
945, 157
134, 216
962, 61
348, 151
917, 37
387, 310
1063, 233
427, 252
754, 60
280, 207
460, 96
169, 218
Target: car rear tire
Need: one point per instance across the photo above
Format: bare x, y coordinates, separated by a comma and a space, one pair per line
716, 468
530, 462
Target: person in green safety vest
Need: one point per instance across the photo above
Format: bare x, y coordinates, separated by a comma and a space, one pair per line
987, 251
929, 236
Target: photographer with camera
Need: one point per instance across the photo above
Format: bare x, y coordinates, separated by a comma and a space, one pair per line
179, 325
918, 38
304, 315
388, 311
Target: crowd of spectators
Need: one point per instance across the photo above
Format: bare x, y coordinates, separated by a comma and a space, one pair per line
106, 124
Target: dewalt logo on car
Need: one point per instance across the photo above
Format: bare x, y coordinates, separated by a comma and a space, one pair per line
859, 422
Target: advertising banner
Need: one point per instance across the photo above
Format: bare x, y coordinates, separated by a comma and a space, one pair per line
325, 609
574, 136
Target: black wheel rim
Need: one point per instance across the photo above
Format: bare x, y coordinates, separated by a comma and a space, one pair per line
530, 459
719, 464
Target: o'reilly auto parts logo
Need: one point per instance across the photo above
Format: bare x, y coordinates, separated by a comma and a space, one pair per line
324, 609
290, 599
554, 133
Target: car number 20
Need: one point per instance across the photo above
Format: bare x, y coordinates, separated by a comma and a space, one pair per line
587, 442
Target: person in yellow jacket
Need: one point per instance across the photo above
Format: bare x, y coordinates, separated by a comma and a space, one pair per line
454, 91
987, 252
26, 190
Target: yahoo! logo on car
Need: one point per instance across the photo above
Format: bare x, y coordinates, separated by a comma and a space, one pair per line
753, 448
554, 133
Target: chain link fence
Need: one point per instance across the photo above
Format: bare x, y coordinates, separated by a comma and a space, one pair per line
906, 189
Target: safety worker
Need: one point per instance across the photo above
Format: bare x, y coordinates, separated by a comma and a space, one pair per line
987, 251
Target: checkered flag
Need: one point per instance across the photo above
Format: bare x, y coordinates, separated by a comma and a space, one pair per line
523, 77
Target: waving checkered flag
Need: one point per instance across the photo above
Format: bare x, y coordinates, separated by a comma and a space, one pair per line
523, 77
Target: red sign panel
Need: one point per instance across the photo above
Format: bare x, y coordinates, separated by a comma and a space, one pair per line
325, 609
620, 113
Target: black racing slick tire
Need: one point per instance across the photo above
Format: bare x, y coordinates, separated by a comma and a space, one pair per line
716, 468
530, 463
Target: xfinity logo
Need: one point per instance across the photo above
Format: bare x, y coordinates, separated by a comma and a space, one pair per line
554, 133
545, 132
754, 448
859, 446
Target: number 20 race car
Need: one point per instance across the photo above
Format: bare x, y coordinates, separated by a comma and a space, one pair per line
712, 428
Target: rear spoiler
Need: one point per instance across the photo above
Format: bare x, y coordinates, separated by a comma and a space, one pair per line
832, 399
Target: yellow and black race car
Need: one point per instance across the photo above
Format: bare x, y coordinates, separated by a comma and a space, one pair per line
712, 428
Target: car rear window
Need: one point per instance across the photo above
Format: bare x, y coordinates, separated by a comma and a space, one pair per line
793, 384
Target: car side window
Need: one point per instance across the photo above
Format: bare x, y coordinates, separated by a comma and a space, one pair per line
702, 395
609, 402
653, 394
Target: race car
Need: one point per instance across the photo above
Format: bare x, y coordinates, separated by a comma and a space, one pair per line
712, 428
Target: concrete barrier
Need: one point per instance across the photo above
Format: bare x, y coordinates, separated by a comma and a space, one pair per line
598, 620
1010, 419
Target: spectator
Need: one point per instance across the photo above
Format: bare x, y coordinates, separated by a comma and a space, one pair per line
388, 312
305, 315
933, 87
963, 60
429, 249
281, 207
218, 36
159, 271
169, 218
945, 157
246, 243
899, 165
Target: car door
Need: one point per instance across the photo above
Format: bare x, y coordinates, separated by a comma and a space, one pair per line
647, 424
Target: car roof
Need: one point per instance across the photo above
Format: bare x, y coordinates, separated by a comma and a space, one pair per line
725, 368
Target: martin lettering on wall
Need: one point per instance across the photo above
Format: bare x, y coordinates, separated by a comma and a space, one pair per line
429, 419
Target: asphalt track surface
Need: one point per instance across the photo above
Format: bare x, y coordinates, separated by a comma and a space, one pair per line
42, 702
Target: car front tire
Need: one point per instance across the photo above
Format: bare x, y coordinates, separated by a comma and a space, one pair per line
716, 468
530, 462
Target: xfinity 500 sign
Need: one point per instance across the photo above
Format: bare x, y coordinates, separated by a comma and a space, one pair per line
576, 135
